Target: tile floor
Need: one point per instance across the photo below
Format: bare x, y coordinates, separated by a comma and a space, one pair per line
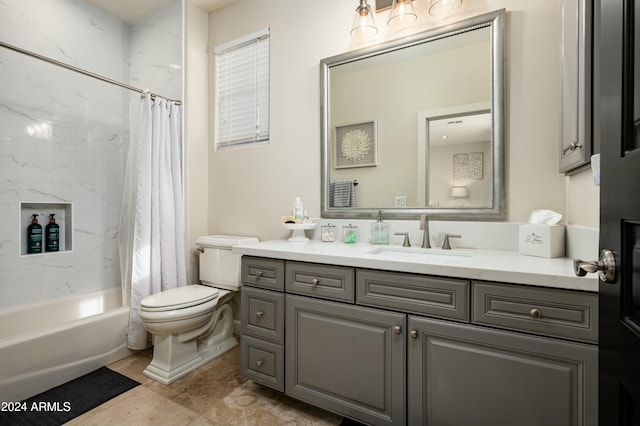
215, 394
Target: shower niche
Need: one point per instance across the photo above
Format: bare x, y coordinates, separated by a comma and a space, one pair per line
64, 219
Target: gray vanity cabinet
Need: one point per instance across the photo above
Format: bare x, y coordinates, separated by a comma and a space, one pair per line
462, 375
396, 348
346, 358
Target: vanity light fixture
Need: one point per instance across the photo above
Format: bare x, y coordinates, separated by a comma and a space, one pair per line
402, 14
443, 7
363, 23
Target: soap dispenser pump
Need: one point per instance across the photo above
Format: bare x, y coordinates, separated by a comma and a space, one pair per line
379, 231
34, 236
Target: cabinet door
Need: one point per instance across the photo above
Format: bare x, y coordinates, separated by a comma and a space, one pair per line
461, 375
577, 87
347, 359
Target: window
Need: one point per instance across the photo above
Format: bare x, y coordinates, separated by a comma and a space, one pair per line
242, 91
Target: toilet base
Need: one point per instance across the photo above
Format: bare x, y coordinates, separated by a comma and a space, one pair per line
175, 355
173, 359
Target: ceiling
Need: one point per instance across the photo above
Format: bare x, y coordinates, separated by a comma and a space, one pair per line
460, 130
132, 11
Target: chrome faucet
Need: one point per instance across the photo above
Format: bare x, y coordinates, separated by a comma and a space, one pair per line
445, 244
406, 242
424, 226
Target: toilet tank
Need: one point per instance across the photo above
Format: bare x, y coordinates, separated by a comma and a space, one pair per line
219, 267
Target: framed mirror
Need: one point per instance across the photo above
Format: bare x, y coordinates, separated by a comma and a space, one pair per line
417, 125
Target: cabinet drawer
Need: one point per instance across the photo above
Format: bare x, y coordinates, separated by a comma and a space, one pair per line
261, 272
263, 314
262, 362
551, 312
439, 297
326, 281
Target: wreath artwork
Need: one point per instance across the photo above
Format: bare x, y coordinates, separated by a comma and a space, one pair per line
355, 145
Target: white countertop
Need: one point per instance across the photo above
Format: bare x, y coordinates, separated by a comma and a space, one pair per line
486, 265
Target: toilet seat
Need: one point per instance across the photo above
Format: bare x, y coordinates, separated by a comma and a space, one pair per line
179, 298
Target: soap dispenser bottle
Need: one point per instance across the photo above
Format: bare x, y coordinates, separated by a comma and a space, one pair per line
379, 231
298, 210
34, 236
52, 234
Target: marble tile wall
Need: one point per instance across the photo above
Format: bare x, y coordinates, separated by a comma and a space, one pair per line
64, 136
156, 52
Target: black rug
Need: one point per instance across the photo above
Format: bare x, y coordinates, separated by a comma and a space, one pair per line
61, 404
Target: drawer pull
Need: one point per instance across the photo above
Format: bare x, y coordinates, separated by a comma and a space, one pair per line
259, 363
259, 314
535, 313
315, 281
414, 334
397, 329
259, 274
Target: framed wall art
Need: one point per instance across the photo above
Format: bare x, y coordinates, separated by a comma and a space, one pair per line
468, 166
356, 145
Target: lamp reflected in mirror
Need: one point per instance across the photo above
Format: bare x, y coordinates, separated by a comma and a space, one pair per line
459, 194
364, 26
402, 14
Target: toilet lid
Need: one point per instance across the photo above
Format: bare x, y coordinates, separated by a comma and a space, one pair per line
177, 298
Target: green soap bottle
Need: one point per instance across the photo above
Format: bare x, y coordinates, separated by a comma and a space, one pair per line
379, 231
34, 236
52, 234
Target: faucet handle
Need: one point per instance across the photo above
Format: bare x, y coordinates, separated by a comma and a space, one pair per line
424, 222
445, 244
424, 226
406, 242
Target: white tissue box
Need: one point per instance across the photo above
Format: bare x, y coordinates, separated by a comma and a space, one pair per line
542, 240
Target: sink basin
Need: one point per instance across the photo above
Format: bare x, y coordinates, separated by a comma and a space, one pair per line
420, 253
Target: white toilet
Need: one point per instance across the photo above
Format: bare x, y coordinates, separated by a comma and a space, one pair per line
192, 325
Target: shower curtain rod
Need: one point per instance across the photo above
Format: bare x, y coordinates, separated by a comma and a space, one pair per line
78, 70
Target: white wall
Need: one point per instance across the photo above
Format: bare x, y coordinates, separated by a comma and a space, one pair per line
249, 189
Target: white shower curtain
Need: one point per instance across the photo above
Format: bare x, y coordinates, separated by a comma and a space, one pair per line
151, 237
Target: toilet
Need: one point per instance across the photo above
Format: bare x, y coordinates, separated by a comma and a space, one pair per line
192, 325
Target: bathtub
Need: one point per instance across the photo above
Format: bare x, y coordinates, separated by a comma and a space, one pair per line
45, 344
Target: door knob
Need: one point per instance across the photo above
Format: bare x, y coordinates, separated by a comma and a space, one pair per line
605, 266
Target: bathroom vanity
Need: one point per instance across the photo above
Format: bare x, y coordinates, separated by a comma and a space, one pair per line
398, 336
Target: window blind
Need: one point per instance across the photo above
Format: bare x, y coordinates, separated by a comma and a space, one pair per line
242, 91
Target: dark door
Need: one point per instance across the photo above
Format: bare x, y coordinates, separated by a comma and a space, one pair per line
619, 359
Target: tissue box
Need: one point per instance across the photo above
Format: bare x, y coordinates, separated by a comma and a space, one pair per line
542, 240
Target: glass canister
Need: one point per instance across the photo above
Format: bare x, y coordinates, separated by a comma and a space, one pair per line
350, 234
328, 233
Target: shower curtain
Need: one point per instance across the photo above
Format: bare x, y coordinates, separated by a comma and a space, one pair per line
151, 236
